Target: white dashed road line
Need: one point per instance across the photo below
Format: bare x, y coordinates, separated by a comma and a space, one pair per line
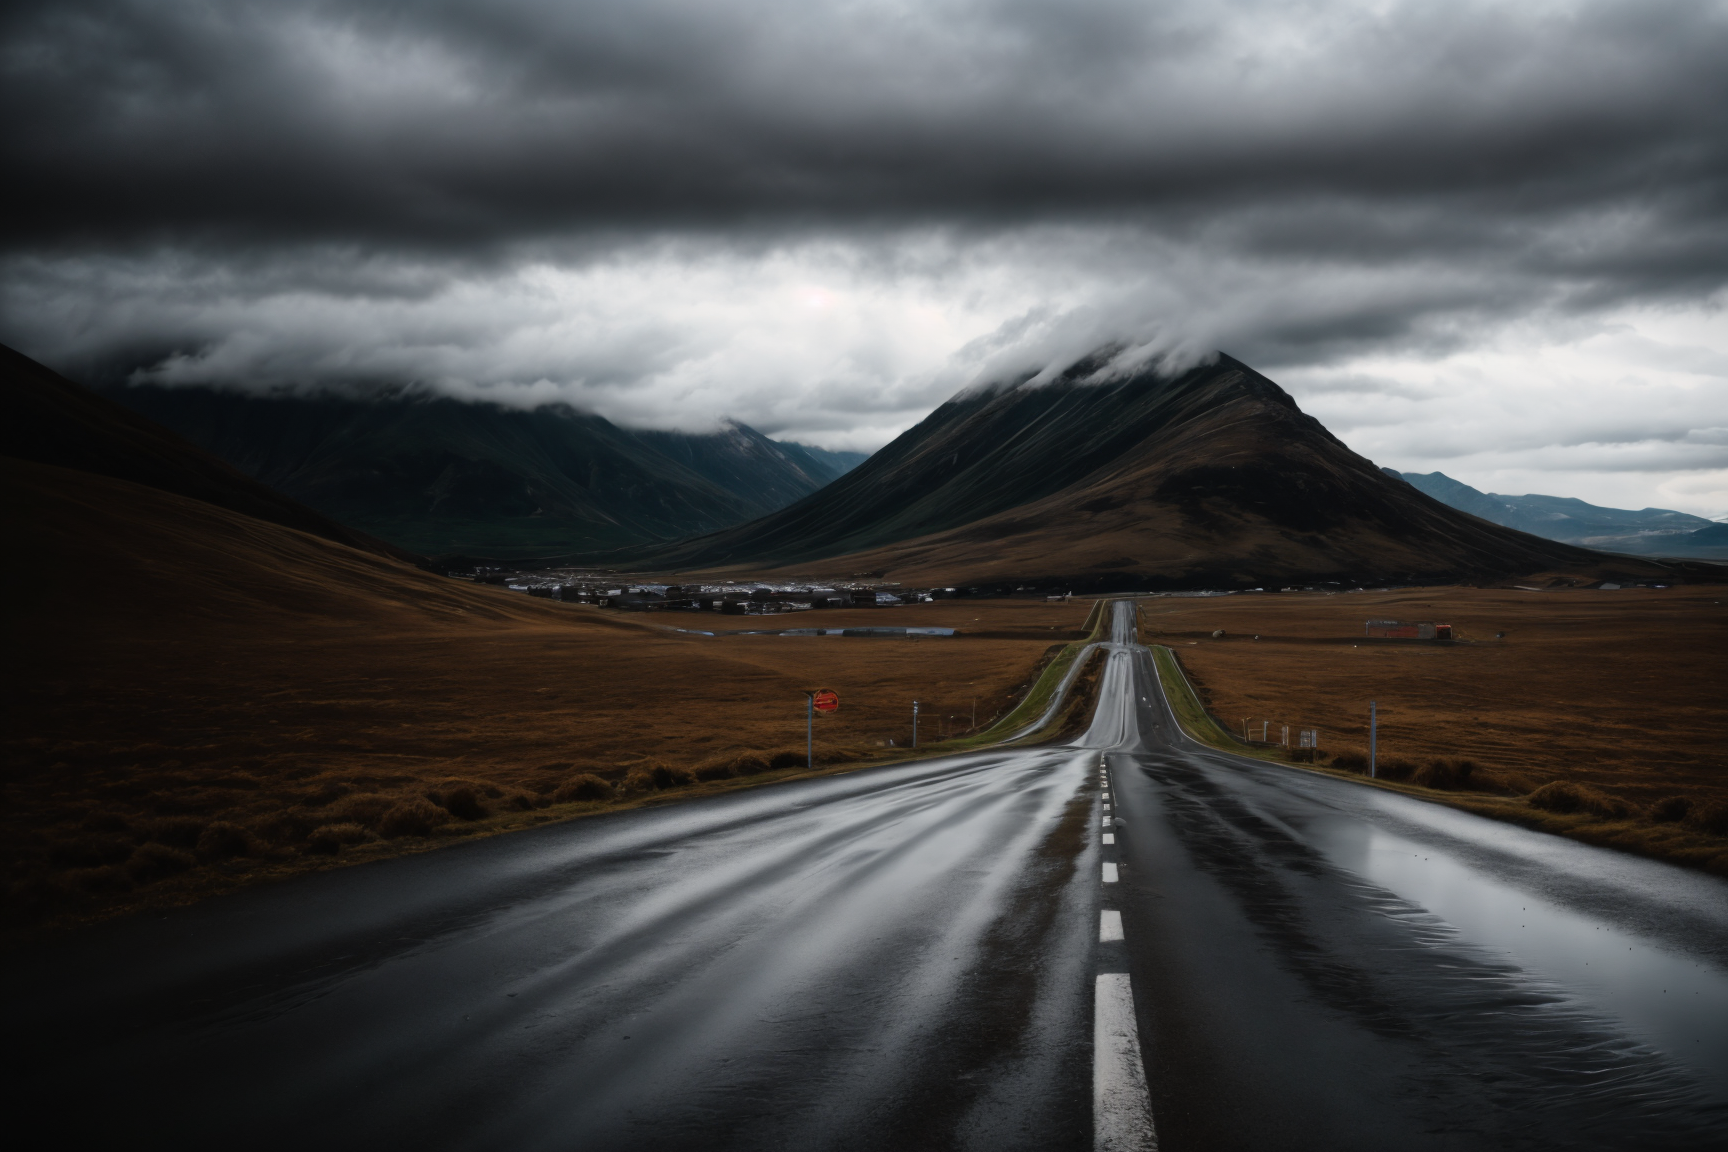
1121, 1111
1121, 1102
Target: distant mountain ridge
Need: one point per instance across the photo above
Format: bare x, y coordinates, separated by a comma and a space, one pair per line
1211, 477
1649, 531
838, 462
442, 476
50, 420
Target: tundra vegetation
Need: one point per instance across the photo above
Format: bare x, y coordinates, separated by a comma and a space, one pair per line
1591, 713
236, 719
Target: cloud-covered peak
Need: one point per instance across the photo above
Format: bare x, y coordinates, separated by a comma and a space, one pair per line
823, 218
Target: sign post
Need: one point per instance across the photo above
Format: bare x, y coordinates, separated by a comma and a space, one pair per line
816, 700
1373, 735
914, 723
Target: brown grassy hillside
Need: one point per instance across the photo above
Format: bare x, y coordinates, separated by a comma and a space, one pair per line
197, 699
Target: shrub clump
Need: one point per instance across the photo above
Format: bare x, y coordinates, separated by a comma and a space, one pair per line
652, 776
1351, 761
749, 764
327, 793
586, 786
1385, 767
288, 827
1670, 809
1394, 768
153, 861
416, 817
719, 768
1449, 775
328, 839
222, 840
1564, 796
365, 809
1711, 817
464, 803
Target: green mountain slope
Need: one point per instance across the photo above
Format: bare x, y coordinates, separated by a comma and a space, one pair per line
48, 419
442, 476
1649, 531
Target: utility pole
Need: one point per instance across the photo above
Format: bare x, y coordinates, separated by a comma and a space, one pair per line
1373, 735
914, 723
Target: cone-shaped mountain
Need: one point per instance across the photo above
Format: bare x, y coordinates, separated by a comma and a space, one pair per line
1207, 476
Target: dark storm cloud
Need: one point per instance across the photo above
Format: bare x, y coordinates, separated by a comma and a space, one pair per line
487, 123
824, 217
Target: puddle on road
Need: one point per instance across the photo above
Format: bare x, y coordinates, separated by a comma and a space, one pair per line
1674, 1003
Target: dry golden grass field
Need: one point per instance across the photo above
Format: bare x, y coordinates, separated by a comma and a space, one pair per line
1616, 701
197, 700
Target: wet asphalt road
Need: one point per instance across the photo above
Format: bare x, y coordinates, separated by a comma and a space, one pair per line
907, 958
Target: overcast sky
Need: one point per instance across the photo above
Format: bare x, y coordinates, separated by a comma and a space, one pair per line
1489, 239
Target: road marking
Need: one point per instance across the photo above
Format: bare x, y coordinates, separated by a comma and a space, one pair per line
1121, 1106
1109, 873
1109, 837
1109, 926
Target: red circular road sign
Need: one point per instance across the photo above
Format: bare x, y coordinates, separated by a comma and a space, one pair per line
826, 701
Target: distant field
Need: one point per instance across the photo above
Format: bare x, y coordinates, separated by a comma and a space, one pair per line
193, 720
1619, 694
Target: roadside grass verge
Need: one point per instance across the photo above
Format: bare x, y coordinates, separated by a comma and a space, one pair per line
1017, 723
115, 860
1674, 829
1198, 723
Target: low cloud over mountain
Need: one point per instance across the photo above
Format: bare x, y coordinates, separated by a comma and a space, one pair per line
1440, 226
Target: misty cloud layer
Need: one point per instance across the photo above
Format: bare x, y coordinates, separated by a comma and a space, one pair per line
1487, 238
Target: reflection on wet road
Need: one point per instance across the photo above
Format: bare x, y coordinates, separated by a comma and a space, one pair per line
1321, 964
1672, 1000
923, 956
892, 959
